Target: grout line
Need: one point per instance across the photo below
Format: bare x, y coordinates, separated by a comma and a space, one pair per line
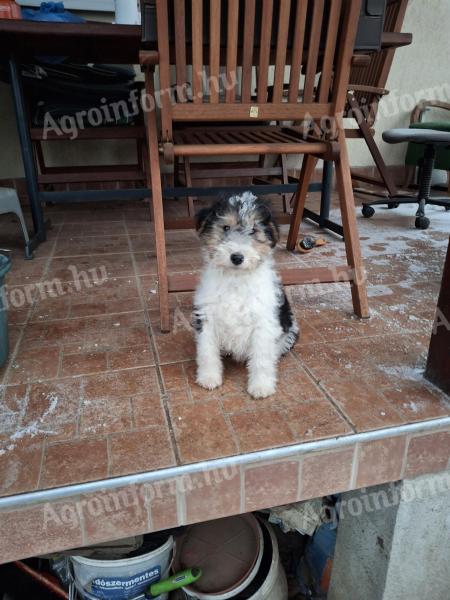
326, 393
300, 480
242, 488
154, 348
355, 466
405, 456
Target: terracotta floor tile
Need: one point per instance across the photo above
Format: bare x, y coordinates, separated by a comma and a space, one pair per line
83, 363
39, 530
163, 504
78, 246
213, 495
105, 415
120, 384
316, 420
52, 409
26, 271
148, 410
20, 464
133, 356
74, 462
179, 344
175, 376
262, 429
362, 404
34, 365
416, 402
428, 454
138, 451
326, 473
114, 514
271, 485
201, 431
380, 461
72, 230
70, 268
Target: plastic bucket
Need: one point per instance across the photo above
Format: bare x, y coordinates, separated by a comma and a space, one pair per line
5, 265
269, 583
124, 579
224, 560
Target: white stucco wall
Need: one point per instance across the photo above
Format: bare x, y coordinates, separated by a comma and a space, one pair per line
419, 70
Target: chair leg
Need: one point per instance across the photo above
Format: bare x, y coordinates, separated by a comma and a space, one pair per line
298, 205
285, 179
188, 179
158, 212
351, 238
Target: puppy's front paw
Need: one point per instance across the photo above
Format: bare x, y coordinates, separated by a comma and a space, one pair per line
209, 381
261, 388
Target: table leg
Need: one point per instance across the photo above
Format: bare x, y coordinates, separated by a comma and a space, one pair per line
27, 153
325, 201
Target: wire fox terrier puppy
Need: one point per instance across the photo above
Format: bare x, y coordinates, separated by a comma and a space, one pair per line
240, 307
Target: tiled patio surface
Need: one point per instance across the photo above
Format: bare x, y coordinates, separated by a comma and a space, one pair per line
93, 390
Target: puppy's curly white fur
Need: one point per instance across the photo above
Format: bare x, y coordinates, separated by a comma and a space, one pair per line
240, 307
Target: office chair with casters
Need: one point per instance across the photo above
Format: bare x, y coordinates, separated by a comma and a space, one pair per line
432, 141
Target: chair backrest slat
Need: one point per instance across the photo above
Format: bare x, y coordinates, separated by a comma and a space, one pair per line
232, 46
197, 51
313, 50
280, 59
264, 50
248, 49
297, 49
330, 49
180, 47
214, 50
307, 42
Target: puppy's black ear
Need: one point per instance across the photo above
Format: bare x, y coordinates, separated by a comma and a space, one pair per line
203, 218
270, 227
272, 232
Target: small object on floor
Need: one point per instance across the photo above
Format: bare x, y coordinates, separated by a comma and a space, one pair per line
308, 243
174, 582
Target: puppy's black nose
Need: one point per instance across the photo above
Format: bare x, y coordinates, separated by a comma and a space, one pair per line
237, 259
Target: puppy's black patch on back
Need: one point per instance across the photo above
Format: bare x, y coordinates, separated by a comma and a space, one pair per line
285, 313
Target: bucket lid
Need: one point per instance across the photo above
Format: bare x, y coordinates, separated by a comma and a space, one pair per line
5, 264
225, 549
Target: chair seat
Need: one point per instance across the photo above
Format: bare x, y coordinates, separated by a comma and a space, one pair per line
420, 136
250, 139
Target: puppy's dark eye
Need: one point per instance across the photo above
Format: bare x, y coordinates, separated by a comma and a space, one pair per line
253, 231
226, 228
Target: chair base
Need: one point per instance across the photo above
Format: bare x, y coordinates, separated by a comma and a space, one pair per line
422, 222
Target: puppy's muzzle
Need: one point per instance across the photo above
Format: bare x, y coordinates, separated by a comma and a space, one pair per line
237, 258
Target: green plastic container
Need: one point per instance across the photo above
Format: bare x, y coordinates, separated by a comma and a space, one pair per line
5, 265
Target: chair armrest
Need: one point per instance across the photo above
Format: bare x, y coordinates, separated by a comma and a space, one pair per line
416, 115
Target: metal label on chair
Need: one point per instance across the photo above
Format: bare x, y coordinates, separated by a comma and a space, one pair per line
254, 112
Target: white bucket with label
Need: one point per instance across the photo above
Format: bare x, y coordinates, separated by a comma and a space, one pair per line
124, 579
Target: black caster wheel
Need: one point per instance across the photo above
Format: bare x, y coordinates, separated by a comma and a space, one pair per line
392, 205
367, 211
422, 222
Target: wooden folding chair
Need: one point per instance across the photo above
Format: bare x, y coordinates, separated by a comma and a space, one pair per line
322, 34
366, 89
